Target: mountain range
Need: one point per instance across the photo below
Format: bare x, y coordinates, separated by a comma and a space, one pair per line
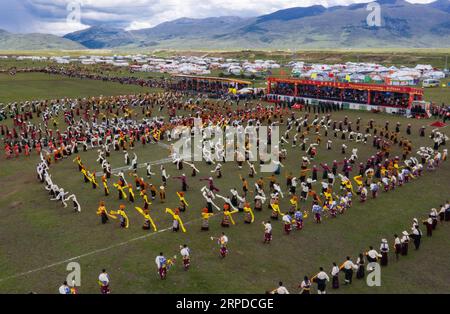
403, 24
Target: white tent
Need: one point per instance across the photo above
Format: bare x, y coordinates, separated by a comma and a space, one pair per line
402, 80
357, 78
120, 64
438, 75
423, 67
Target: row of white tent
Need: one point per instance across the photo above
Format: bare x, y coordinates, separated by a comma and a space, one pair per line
204, 65
175, 65
366, 72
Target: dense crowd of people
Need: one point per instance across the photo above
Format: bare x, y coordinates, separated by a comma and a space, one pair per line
342, 94
216, 88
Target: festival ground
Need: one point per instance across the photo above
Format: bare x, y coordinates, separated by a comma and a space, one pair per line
39, 237
35, 86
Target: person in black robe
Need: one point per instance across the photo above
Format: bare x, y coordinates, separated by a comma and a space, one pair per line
361, 271
405, 243
422, 131
416, 236
384, 249
429, 225
335, 276
305, 286
348, 267
397, 246
442, 214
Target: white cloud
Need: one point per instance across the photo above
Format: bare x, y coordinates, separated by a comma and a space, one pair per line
58, 28
174, 9
138, 25
50, 15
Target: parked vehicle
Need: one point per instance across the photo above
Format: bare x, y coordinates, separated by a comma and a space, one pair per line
431, 83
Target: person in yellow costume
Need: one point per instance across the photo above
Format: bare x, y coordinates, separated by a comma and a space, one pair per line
328, 197
144, 196
55, 122
123, 218
85, 174
148, 221
396, 168
359, 183
205, 219
358, 180
294, 204
105, 185
345, 182
103, 213
383, 171
120, 188
228, 216
130, 193
79, 163
183, 203
156, 135
177, 222
93, 180
128, 112
275, 211
249, 216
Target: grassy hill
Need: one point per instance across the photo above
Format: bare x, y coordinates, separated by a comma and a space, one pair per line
10, 41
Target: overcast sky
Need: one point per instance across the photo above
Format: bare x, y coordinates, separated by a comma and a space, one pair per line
50, 16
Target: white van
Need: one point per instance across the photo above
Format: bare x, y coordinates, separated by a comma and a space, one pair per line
431, 83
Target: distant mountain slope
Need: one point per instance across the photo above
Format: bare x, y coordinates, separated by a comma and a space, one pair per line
403, 25
10, 41
98, 37
292, 14
443, 5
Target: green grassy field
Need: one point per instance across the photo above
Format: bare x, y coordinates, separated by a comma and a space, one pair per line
439, 95
31, 86
39, 237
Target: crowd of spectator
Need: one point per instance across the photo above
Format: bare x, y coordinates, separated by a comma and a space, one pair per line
339, 94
